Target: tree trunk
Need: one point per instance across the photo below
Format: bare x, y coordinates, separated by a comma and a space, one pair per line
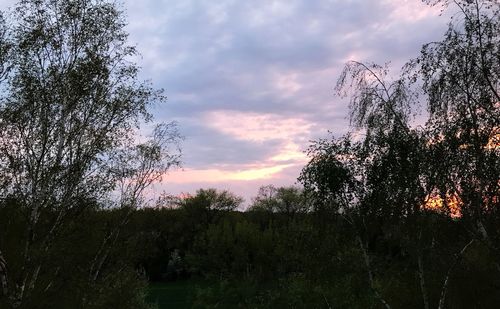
370, 273
444, 289
4, 287
423, 287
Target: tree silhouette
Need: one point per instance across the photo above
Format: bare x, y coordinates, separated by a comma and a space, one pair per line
395, 169
71, 104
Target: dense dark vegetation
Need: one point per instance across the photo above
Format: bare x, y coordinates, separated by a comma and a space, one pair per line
261, 258
392, 215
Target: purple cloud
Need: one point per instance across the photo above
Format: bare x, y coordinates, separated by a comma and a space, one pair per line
251, 82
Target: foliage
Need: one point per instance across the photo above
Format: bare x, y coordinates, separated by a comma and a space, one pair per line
391, 215
286, 200
70, 106
396, 172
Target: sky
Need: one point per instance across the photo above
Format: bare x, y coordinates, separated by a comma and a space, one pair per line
250, 83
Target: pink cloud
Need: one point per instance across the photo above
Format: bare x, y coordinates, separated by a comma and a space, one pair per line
411, 11
257, 127
239, 173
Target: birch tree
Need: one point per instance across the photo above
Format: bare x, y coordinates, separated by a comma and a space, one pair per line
72, 100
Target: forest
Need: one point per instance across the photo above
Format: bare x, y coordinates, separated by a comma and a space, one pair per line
399, 213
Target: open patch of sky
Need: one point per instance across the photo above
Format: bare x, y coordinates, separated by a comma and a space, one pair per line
251, 82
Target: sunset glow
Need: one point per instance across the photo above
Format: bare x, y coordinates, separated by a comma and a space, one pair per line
251, 83
494, 141
451, 204
249, 154
217, 175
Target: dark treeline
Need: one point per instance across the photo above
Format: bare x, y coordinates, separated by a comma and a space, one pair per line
393, 214
266, 259
262, 258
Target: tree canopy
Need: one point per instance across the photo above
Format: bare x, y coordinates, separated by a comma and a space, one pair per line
71, 104
396, 213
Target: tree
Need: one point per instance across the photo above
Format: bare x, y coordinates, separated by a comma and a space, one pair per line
397, 168
207, 204
286, 200
72, 102
460, 77
329, 177
337, 179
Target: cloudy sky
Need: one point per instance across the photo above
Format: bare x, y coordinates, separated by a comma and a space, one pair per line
251, 82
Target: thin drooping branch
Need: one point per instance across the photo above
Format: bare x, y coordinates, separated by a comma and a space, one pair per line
360, 75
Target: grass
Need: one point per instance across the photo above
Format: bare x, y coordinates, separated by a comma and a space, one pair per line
177, 294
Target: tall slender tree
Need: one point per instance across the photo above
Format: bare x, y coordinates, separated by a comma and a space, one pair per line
72, 102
